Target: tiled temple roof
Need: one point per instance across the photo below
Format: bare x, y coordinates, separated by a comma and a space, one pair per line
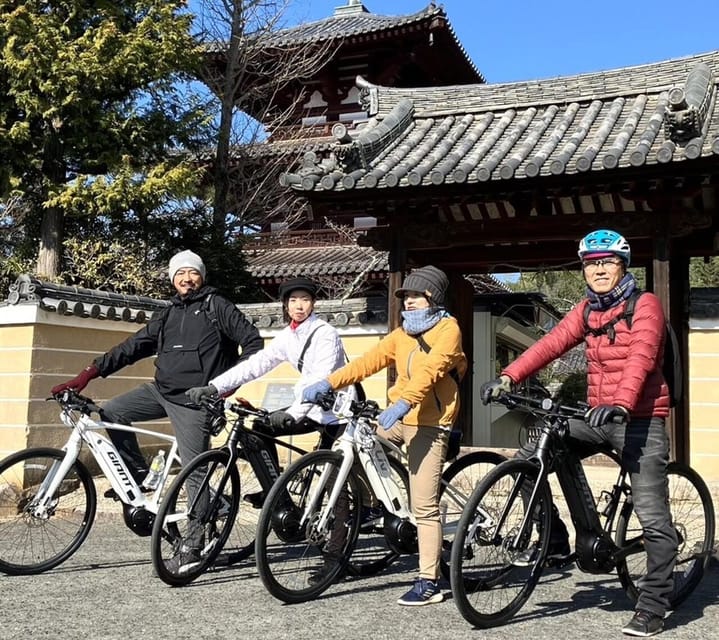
354, 22
634, 117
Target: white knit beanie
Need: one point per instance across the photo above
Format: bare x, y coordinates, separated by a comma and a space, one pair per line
186, 259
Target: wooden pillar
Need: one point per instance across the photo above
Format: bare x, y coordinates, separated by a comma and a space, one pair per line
671, 285
461, 306
397, 265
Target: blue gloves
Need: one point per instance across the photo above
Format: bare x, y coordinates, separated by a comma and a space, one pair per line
603, 413
315, 390
394, 412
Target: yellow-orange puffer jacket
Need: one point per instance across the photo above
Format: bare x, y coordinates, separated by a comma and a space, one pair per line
423, 379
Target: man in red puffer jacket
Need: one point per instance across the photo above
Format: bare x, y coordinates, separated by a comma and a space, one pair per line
625, 381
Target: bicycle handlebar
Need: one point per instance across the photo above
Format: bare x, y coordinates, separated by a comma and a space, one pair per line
543, 406
358, 408
72, 400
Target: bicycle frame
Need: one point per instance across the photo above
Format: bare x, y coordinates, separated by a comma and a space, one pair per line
359, 442
85, 430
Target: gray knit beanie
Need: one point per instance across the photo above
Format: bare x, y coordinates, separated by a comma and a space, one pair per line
429, 280
186, 259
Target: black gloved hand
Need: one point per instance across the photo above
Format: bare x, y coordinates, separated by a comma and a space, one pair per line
495, 388
280, 420
603, 413
196, 394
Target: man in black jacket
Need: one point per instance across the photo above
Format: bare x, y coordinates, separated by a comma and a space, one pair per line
195, 339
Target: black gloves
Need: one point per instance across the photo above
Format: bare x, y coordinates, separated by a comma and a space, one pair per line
603, 413
196, 394
495, 388
280, 420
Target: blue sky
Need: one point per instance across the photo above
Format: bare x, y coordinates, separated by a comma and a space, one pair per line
528, 39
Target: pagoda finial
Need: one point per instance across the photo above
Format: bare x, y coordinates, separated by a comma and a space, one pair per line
352, 7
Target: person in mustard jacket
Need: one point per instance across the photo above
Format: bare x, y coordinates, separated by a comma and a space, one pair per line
427, 353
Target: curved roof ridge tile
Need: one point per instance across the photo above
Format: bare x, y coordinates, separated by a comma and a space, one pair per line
510, 165
570, 147
464, 148
584, 162
431, 152
452, 155
621, 140
640, 152
484, 171
533, 167
395, 154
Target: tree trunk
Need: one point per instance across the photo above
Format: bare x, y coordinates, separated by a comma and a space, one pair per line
48, 258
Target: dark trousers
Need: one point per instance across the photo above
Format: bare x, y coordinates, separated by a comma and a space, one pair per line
643, 445
146, 403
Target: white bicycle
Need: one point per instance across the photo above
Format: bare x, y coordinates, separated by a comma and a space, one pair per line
48, 498
309, 526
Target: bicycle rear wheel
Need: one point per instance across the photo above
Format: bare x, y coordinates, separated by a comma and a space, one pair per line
499, 548
458, 481
371, 553
692, 512
298, 556
195, 518
33, 541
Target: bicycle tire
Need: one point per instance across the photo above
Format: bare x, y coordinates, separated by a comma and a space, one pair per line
295, 560
31, 544
215, 485
458, 481
692, 510
489, 584
371, 555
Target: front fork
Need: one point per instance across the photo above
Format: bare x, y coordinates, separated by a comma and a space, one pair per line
53, 479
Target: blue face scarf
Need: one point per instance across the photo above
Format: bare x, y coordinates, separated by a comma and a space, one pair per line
604, 301
420, 320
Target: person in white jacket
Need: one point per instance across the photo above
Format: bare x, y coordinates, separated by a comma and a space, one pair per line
310, 345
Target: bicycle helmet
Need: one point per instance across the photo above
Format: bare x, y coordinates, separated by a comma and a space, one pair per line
605, 241
303, 284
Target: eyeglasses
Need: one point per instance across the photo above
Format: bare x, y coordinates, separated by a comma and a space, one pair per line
609, 263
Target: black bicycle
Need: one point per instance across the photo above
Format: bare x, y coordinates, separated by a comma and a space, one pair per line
215, 499
503, 536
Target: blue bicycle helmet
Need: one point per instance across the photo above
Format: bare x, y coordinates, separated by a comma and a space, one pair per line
605, 241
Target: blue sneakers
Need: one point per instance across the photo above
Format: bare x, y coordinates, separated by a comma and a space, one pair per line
423, 592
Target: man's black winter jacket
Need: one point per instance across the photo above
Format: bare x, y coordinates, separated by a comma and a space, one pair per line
191, 349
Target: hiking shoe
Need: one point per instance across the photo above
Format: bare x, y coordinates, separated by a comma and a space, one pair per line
423, 592
255, 499
644, 623
559, 552
184, 561
319, 575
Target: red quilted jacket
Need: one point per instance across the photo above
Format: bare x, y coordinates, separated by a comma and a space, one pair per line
627, 372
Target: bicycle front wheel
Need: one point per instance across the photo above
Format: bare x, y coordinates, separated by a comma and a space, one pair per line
302, 545
35, 538
195, 518
692, 510
458, 481
500, 546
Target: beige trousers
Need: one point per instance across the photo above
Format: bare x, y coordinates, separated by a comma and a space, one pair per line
426, 452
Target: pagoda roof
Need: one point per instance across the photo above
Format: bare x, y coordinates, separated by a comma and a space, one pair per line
642, 117
355, 24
